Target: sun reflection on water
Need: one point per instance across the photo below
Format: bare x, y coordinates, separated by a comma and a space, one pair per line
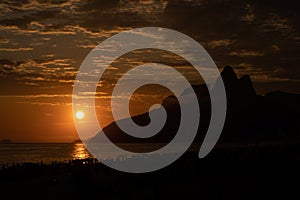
80, 152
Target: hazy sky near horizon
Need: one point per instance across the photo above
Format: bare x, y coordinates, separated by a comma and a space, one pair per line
42, 44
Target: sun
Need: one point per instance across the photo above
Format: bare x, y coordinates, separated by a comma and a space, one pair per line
79, 115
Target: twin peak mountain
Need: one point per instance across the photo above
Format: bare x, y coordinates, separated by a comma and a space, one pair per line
250, 118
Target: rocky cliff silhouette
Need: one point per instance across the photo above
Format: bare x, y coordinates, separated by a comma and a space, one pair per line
251, 118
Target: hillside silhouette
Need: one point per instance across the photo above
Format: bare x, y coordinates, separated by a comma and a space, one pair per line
251, 118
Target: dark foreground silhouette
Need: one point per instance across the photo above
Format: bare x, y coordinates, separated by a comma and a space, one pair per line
234, 173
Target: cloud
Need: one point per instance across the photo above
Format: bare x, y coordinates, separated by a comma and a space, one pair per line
36, 26
220, 43
33, 72
245, 65
277, 23
249, 15
264, 34
276, 48
149, 10
48, 55
4, 40
16, 49
29, 9
246, 53
46, 103
34, 96
40, 99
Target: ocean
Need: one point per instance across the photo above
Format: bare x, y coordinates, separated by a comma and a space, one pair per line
46, 152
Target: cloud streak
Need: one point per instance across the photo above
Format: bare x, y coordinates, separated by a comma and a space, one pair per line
16, 49
246, 53
220, 43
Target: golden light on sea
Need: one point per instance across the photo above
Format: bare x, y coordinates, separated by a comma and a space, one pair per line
80, 152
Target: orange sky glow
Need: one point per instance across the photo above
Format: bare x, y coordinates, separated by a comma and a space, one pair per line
42, 45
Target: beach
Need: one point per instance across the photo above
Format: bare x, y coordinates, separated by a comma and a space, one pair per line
238, 173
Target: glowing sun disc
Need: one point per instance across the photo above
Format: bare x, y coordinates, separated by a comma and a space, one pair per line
79, 115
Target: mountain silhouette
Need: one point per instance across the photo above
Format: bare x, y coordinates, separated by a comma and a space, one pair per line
250, 117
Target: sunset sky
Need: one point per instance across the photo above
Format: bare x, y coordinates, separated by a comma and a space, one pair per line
43, 43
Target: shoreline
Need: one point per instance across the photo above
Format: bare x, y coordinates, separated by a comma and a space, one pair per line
193, 148
236, 171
